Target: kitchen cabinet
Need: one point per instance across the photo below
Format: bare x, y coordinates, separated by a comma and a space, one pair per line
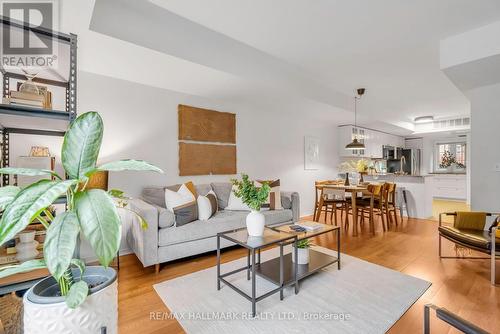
373, 140
346, 134
449, 186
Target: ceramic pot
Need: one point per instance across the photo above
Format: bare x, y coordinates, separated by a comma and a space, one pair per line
45, 312
26, 248
255, 223
302, 255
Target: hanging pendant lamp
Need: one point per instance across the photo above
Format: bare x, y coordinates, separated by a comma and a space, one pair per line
355, 144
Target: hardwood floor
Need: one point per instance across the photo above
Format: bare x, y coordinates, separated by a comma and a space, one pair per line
462, 286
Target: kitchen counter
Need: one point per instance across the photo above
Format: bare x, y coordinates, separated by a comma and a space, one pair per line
417, 189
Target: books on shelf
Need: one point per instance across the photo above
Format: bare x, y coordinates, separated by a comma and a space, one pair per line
41, 100
22, 102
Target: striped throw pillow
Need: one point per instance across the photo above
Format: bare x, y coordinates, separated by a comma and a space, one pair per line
274, 199
181, 200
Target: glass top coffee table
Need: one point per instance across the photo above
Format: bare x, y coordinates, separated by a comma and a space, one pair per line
281, 271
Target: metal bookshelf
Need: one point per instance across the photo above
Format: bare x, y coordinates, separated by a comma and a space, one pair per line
37, 121
16, 119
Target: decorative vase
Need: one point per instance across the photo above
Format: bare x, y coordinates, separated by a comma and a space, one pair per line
26, 248
346, 183
255, 223
302, 255
361, 180
45, 312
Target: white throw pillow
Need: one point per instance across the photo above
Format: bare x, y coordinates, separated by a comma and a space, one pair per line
235, 203
207, 205
177, 198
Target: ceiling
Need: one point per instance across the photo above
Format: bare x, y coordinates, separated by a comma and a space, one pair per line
322, 48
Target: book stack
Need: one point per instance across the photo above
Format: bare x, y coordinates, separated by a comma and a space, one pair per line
310, 226
41, 100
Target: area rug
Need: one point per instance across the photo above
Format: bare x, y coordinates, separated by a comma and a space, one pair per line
360, 298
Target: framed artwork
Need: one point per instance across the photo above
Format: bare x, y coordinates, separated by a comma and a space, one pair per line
311, 153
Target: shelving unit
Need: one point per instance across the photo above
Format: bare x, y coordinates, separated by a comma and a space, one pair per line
37, 121
16, 119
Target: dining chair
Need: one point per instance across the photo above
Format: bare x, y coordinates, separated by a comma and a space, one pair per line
337, 199
370, 204
390, 204
329, 202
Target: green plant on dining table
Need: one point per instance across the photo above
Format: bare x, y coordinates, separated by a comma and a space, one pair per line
89, 211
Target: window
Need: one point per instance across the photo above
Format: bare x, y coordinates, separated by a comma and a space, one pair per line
450, 155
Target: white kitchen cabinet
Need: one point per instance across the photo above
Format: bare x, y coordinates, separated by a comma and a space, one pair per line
373, 140
346, 134
449, 186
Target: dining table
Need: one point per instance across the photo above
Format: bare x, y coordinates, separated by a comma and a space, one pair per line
354, 190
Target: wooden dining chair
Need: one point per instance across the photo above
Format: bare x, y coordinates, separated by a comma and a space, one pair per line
390, 204
331, 201
370, 204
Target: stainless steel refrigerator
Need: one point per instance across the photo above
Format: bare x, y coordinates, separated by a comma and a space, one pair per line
407, 161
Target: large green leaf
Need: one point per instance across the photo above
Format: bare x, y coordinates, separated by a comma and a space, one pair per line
28, 203
99, 222
81, 145
129, 164
60, 243
21, 268
79, 264
26, 171
77, 294
7, 195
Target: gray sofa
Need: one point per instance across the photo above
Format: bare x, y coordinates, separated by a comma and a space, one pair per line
162, 241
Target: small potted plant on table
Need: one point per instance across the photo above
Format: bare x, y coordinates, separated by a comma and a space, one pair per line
74, 299
302, 252
254, 197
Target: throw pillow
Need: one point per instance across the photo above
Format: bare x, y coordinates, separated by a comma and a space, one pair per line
274, 199
207, 205
235, 203
181, 200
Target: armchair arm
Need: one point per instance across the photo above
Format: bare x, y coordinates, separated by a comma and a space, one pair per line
144, 242
451, 319
291, 200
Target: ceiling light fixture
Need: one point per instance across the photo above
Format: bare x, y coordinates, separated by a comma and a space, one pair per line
423, 119
355, 144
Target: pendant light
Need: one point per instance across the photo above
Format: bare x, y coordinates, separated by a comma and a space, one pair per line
355, 144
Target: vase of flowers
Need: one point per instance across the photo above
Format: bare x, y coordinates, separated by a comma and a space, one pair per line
254, 197
302, 252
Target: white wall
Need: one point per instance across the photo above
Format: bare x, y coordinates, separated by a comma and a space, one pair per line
485, 151
141, 123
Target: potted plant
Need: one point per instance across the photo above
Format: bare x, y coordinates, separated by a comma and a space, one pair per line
254, 197
302, 252
74, 299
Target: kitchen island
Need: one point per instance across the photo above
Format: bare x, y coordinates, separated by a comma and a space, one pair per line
418, 189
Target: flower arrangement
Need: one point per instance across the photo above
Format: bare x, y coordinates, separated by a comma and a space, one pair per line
362, 166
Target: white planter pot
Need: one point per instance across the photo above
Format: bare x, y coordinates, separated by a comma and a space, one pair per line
51, 314
302, 255
255, 223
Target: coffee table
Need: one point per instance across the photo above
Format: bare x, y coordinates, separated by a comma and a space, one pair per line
317, 260
280, 270
254, 246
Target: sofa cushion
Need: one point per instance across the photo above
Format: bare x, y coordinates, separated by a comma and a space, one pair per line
222, 221
222, 190
154, 195
165, 217
203, 189
477, 238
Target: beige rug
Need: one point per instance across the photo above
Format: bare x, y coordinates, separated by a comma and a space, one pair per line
360, 298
